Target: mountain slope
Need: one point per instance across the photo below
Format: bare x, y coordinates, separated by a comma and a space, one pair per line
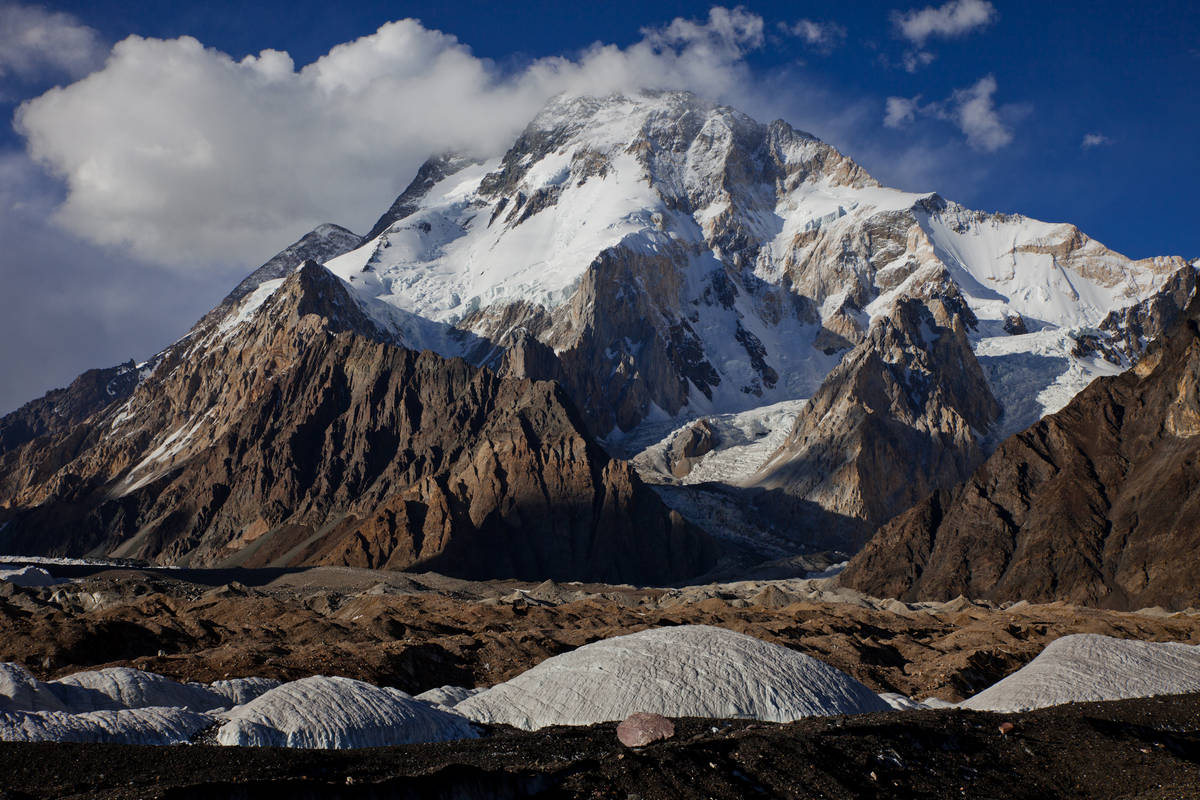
293, 431
666, 260
1096, 504
910, 394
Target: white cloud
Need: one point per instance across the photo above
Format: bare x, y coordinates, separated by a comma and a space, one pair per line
900, 111
955, 18
823, 37
185, 156
35, 42
973, 110
1091, 140
913, 60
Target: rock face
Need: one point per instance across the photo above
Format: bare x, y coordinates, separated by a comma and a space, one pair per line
294, 431
61, 409
320, 244
903, 414
1096, 504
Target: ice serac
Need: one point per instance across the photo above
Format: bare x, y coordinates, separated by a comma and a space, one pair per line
685, 671
338, 713
903, 414
1087, 667
295, 430
1096, 504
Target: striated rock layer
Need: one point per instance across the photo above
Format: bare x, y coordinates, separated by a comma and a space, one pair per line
1097, 504
294, 431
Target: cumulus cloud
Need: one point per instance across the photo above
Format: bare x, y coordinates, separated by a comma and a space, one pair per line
1091, 140
36, 43
186, 156
822, 37
955, 18
972, 109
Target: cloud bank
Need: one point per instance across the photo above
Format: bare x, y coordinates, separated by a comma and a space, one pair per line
185, 156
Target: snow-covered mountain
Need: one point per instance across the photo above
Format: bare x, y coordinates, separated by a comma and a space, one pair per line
691, 260
847, 347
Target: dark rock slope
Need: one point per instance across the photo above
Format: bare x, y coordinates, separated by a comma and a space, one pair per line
1098, 504
300, 434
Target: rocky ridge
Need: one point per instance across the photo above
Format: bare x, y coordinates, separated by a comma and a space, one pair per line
1095, 504
295, 430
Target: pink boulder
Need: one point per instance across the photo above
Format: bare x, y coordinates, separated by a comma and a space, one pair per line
641, 729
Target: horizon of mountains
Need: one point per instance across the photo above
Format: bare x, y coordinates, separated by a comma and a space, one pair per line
654, 341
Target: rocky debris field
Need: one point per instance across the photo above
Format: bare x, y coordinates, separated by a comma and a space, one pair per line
1147, 749
420, 632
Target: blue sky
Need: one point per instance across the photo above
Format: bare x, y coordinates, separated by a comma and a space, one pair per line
1079, 112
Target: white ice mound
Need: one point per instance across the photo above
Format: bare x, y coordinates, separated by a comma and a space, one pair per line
242, 690
29, 576
20, 691
122, 687
448, 696
1087, 667
159, 726
687, 671
338, 713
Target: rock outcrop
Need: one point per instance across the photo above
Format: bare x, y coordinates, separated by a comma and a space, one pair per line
903, 414
1095, 505
61, 409
294, 430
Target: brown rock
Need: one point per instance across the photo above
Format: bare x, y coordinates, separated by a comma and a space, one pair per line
1095, 505
899, 417
304, 435
641, 729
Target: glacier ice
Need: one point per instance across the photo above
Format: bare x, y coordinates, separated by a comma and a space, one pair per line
685, 671
1088, 667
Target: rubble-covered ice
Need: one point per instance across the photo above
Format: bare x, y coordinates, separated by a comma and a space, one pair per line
686, 671
1086, 667
336, 713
